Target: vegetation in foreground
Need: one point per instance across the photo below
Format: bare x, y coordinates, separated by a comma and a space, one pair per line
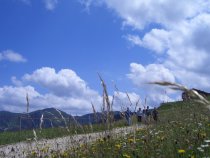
183, 130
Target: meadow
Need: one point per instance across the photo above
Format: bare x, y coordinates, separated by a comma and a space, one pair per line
183, 130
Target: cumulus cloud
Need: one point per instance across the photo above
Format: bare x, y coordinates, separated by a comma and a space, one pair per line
50, 4
64, 90
177, 32
157, 40
11, 56
185, 48
142, 75
140, 13
14, 99
62, 83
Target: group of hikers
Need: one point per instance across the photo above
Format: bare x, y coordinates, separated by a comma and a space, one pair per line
145, 115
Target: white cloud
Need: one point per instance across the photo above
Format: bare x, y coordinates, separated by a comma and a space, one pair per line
65, 84
156, 40
14, 99
179, 35
139, 13
12, 56
141, 75
62, 83
134, 39
185, 48
50, 4
64, 90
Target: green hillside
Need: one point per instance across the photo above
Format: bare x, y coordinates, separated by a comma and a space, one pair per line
183, 130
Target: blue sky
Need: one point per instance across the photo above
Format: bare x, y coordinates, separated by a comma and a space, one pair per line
66, 37
53, 49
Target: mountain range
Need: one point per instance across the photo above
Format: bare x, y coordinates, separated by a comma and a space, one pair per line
49, 117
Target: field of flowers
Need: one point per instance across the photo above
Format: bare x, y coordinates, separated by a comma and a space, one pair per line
183, 130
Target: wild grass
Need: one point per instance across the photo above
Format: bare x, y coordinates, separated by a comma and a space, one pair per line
183, 130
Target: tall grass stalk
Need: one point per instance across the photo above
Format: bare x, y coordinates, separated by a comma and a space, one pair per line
67, 128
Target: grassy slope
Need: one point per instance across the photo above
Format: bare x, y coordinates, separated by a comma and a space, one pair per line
181, 132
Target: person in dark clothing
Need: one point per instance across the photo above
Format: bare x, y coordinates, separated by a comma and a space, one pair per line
155, 114
148, 114
148, 111
128, 116
144, 115
139, 115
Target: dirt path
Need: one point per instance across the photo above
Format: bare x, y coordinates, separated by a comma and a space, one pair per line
22, 149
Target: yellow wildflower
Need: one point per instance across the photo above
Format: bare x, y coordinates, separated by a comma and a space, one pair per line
126, 156
118, 146
130, 140
181, 151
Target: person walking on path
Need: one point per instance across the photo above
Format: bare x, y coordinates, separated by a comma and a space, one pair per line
148, 114
128, 116
144, 116
139, 115
155, 114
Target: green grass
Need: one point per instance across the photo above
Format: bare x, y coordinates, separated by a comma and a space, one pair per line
48, 133
182, 131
